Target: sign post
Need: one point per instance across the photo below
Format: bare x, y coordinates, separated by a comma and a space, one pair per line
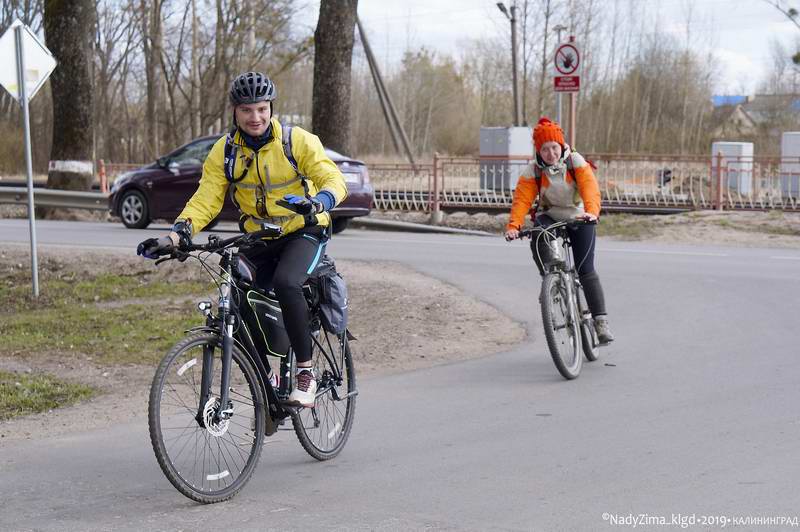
567, 62
34, 64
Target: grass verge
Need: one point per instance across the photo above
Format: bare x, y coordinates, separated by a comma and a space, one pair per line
101, 311
627, 226
131, 315
22, 394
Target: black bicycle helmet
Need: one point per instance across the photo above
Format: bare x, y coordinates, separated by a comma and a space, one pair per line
252, 87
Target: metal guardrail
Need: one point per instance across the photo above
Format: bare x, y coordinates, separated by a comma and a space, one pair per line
67, 199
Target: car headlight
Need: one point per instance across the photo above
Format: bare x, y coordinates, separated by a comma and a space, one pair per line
119, 181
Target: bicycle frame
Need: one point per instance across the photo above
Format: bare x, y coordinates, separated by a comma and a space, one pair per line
559, 271
240, 332
230, 324
565, 267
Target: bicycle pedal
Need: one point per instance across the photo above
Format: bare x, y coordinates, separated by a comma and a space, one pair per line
291, 408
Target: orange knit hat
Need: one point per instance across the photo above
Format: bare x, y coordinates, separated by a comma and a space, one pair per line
546, 131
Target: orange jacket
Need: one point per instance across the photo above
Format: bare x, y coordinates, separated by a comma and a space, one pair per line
585, 193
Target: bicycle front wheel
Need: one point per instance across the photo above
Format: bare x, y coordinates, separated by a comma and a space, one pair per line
208, 461
591, 346
323, 429
561, 331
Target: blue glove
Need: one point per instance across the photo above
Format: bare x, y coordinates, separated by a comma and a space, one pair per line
300, 204
153, 248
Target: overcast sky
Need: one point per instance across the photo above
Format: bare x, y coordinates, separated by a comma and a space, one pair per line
739, 32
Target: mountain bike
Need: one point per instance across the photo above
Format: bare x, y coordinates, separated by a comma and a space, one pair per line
215, 395
568, 323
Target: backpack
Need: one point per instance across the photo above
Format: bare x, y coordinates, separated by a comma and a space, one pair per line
537, 175
229, 163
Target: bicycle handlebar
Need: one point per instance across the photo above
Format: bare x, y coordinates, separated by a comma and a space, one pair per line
529, 233
214, 244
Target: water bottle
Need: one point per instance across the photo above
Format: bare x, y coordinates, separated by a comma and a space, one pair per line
555, 251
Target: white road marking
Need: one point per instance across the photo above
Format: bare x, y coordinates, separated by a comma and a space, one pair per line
661, 252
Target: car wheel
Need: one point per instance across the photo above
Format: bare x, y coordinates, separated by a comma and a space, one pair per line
133, 210
340, 224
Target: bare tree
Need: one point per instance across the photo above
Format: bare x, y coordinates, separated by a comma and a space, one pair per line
792, 14
546, 57
115, 37
152, 37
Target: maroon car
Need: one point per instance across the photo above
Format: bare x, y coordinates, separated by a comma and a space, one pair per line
161, 190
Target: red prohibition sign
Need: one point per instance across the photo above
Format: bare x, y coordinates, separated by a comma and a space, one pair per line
567, 59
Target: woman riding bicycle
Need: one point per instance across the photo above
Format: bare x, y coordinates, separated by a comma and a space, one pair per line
252, 164
567, 189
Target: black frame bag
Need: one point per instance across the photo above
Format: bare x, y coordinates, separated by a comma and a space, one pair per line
332, 297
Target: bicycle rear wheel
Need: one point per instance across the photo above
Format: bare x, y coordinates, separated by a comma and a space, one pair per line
205, 460
323, 430
561, 332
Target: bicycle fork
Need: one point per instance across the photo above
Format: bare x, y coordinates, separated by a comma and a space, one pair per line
224, 409
571, 302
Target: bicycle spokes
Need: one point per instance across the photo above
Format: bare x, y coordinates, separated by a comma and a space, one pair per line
211, 458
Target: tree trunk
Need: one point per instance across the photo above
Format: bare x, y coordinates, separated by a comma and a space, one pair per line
68, 28
152, 42
333, 41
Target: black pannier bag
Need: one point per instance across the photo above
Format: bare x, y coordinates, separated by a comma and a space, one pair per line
332, 296
265, 324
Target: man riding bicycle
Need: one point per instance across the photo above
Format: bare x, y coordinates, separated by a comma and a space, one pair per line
274, 175
567, 189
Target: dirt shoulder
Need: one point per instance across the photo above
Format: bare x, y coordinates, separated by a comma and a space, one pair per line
402, 319
728, 228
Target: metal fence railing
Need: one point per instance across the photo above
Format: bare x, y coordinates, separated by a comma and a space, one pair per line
634, 182
626, 182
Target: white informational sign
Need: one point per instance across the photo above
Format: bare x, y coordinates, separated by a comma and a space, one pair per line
567, 62
38, 61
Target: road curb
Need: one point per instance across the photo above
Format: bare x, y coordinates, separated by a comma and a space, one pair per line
395, 225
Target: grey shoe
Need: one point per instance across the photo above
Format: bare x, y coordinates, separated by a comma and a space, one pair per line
305, 389
604, 334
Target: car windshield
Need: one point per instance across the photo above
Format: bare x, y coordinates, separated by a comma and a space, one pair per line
334, 155
194, 153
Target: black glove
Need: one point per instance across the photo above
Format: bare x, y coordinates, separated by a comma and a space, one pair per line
184, 230
300, 204
153, 248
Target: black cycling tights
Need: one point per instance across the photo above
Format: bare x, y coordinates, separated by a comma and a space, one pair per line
583, 239
284, 265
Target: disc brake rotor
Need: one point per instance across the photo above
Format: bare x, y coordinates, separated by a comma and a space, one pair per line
215, 427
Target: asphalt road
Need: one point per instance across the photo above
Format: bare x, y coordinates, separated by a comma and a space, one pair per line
692, 411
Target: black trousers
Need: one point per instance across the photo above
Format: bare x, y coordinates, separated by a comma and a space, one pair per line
582, 238
284, 265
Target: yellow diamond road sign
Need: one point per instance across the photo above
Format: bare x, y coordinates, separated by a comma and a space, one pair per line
38, 60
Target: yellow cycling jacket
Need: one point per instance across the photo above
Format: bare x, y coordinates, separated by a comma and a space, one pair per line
271, 172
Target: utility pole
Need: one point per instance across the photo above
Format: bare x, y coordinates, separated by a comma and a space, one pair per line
558, 29
512, 17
